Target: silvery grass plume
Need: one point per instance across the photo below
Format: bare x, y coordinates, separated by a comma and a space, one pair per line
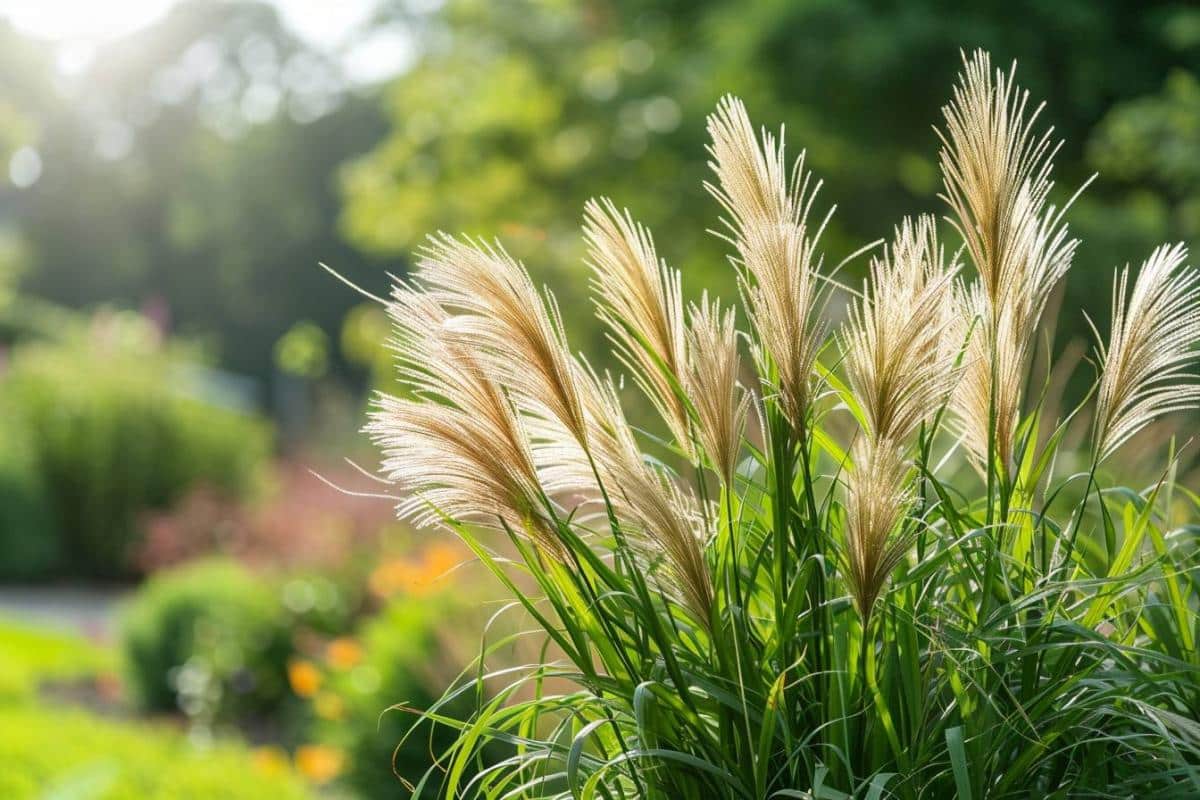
663, 522
721, 406
582, 444
688, 371
894, 342
987, 400
768, 209
640, 300
514, 332
899, 373
1145, 365
456, 445
878, 497
996, 175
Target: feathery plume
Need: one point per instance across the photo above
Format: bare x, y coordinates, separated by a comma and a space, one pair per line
994, 358
517, 335
777, 249
667, 527
497, 316
457, 446
996, 174
996, 171
899, 372
898, 367
641, 302
662, 522
712, 384
877, 499
1145, 365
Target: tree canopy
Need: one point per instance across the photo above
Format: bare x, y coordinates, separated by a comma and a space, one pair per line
203, 166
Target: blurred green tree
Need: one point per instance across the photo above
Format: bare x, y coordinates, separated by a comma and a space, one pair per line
518, 111
189, 169
1149, 149
26, 97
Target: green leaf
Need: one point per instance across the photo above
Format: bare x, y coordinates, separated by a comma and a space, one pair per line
958, 762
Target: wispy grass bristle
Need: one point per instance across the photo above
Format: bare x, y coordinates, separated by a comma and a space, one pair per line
894, 343
900, 373
997, 181
515, 332
768, 208
641, 302
712, 381
1145, 366
878, 497
456, 446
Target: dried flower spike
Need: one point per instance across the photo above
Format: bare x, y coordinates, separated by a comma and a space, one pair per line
457, 446
768, 211
877, 500
898, 368
640, 300
712, 383
996, 174
1154, 331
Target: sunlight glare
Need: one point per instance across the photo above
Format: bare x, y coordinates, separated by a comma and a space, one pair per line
79, 20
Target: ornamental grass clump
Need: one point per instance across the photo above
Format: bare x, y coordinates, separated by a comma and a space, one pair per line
861, 562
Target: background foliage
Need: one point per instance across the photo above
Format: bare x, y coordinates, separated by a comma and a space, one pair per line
518, 112
168, 180
209, 639
409, 650
75, 754
104, 429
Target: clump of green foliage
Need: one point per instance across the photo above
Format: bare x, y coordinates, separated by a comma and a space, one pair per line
28, 536
211, 639
409, 650
882, 572
101, 433
55, 753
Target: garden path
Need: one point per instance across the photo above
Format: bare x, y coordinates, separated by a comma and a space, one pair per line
91, 611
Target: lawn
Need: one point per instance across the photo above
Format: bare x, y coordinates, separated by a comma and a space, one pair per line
51, 750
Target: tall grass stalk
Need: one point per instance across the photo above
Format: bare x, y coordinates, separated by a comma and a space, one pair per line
862, 562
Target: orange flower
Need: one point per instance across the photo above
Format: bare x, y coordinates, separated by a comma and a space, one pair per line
440, 558
329, 706
390, 577
318, 762
415, 576
304, 678
343, 653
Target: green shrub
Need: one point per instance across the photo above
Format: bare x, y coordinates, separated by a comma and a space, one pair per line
72, 754
209, 638
28, 536
409, 655
112, 437
323, 604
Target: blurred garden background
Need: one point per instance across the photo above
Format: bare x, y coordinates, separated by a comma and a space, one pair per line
202, 593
